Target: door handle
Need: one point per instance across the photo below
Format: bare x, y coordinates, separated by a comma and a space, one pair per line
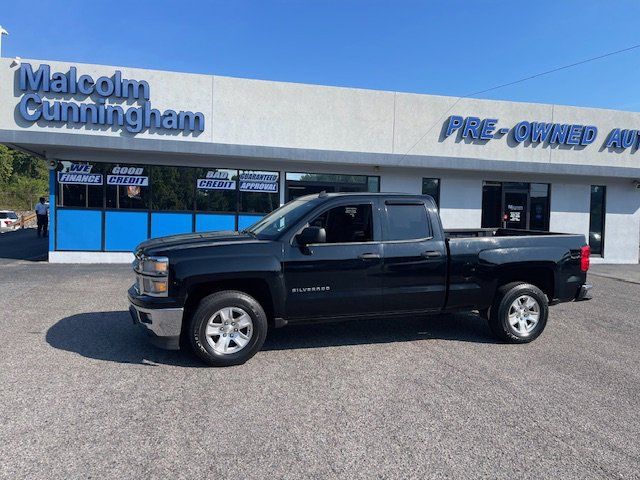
431, 254
369, 256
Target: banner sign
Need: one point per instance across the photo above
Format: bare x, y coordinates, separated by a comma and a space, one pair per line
127, 176
79, 174
216, 180
259, 182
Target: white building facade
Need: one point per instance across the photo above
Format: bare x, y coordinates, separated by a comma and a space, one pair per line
137, 154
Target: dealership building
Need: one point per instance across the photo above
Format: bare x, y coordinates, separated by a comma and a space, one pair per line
137, 154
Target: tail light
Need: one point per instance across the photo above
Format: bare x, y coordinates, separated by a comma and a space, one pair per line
585, 253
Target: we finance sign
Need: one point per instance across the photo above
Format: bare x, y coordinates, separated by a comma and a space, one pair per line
103, 101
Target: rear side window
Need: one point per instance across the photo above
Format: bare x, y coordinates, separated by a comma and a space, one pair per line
407, 222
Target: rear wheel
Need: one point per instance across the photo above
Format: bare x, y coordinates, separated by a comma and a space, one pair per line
227, 328
519, 313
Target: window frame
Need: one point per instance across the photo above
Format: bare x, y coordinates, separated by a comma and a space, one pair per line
288, 183
59, 187
437, 200
501, 184
105, 199
604, 218
304, 223
408, 202
239, 193
236, 194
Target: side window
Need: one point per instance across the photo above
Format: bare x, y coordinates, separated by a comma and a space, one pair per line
172, 188
347, 223
407, 222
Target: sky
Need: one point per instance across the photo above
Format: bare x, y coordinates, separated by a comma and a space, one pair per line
435, 47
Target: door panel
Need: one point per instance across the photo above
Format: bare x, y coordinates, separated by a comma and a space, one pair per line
414, 275
333, 280
414, 257
340, 277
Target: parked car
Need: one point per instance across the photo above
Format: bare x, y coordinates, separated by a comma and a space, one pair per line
346, 256
8, 219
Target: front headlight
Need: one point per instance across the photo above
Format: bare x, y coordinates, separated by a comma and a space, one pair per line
154, 266
153, 275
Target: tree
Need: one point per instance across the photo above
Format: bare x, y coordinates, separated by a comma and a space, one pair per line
6, 165
23, 178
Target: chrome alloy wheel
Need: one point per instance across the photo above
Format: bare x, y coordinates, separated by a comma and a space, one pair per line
229, 330
524, 314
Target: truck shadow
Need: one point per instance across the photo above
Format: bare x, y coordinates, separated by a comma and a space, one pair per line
111, 336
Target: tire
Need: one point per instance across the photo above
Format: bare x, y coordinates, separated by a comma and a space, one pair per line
223, 344
519, 313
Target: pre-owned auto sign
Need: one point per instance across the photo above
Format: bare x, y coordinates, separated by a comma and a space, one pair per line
486, 129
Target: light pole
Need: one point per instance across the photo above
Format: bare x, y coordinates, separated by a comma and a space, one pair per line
3, 32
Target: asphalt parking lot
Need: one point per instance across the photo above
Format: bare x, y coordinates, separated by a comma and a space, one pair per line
22, 244
84, 396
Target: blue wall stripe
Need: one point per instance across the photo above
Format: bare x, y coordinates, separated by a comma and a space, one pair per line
79, 230
245, 221
124, 230
207, 222
163, 224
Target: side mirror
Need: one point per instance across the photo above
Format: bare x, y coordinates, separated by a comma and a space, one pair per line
311, 235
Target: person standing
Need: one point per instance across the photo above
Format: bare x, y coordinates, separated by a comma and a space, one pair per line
42, 213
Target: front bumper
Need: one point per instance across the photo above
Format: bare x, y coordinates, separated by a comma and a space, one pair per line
584, 292
163, 325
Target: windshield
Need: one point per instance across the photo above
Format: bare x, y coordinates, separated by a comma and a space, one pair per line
9, 215
282, 219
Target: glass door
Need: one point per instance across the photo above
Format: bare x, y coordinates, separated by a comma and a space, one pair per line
515, 201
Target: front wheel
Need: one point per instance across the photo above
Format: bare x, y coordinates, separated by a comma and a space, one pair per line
227, 328
519, 313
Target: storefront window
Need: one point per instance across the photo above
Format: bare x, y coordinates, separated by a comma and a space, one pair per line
431, 186
491, 204
539, 207
172, 188
127, 187
81, 184
216, 190
596, 219
517, 205
259, 191
300, 184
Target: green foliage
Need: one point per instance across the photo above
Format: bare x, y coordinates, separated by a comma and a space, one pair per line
23, 179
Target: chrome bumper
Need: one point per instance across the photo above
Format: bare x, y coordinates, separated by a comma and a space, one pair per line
584, 292
162, 324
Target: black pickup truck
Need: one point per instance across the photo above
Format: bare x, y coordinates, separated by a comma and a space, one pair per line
333, 257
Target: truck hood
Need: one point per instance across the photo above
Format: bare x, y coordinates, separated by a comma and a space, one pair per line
185, 240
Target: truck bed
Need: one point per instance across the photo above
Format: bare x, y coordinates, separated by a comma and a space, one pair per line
478, 258
495, 232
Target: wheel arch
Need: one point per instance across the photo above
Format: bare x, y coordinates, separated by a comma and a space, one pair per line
256, 287
540, 275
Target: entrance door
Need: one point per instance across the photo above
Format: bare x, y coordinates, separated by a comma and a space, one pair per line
515, 203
